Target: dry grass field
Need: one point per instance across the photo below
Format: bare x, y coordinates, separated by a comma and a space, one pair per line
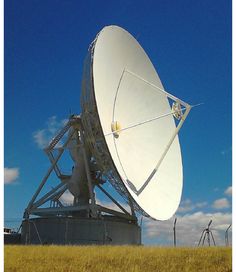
116, 259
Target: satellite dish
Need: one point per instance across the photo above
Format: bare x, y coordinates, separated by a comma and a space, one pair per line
126, 134
130, 124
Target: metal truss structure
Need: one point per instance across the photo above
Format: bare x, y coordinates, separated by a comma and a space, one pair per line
94, 178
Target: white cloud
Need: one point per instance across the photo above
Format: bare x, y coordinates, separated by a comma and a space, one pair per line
67, 198
42, 137
201, 204
10, 175
188, 228
187, 205
221, 203
228, 191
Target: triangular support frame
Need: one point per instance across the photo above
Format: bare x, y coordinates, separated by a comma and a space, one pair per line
180, 111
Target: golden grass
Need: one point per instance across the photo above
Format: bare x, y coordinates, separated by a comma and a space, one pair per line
116, 259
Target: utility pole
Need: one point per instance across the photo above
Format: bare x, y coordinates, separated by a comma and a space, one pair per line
174, 232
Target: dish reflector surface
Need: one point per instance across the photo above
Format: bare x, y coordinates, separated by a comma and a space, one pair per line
118, 94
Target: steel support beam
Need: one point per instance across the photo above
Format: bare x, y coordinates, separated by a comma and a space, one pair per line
48, 174
50, 195
112, 199
116, 213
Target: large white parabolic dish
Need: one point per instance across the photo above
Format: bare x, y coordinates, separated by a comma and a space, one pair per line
121, 86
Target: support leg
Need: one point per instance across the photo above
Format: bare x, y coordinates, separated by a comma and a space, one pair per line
208, 238
213, 238
201, 238
203, 241
90, 184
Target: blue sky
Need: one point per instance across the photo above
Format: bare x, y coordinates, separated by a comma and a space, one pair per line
189, 43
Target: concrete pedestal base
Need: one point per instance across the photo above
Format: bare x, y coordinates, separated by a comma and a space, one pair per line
80, 231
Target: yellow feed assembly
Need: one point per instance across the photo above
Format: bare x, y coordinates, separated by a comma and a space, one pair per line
115, 128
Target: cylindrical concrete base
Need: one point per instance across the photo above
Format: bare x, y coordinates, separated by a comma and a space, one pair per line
80, 231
